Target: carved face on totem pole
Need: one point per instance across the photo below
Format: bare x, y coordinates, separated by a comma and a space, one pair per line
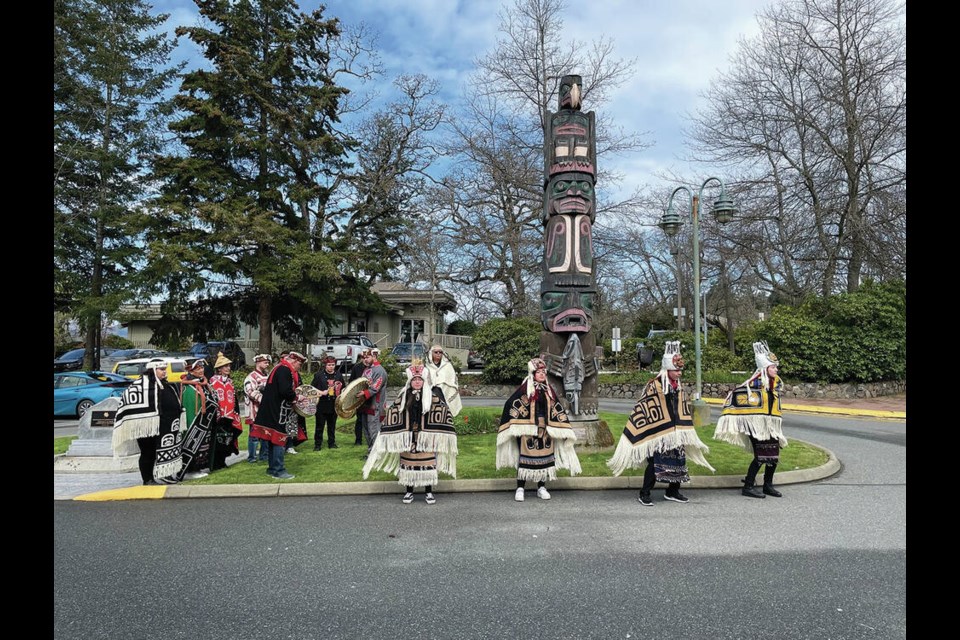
567, 309
568, 291
568, 294
570, 143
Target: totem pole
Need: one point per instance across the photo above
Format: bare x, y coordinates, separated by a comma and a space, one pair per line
568, 291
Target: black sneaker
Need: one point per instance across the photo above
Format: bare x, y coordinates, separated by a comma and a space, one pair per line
676, 497
333, 445
407, 498
645, 500
770, 491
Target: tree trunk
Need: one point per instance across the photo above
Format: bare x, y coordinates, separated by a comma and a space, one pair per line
265, 322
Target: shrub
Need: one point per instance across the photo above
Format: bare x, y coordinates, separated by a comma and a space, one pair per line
117, 342
462, 328
506, 346
859, 336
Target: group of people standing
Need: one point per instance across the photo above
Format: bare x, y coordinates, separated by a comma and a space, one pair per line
182, 430
659, 436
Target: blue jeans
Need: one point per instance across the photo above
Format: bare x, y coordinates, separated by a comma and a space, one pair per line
252, 449
275, 461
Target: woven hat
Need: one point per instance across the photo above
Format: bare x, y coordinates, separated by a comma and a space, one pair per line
261, 356
222, 361
416, 370
534, 364
763, 356
672, 360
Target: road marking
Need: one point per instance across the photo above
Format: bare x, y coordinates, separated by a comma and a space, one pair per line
141, 492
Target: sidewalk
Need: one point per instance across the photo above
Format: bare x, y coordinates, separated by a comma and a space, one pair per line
126, 486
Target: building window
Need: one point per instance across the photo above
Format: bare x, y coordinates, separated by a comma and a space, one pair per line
411, 330
358, 325
376, 327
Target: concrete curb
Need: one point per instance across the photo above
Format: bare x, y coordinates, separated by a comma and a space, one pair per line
831, 467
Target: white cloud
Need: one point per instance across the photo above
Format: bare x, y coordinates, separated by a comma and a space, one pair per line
679, 46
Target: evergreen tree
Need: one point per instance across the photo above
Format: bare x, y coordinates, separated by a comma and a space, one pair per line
111, 69
232, 223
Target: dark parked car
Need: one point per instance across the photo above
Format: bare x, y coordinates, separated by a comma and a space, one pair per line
73, 360
404, 352
209, 351
75, 392
474, 361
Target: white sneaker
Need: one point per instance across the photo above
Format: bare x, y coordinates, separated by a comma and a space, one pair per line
291, 450
194, 475
430, 499
543, 494
518, 496
407, 498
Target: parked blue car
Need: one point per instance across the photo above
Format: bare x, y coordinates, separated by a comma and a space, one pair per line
75, 392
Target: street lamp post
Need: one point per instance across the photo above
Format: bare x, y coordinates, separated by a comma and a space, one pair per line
723, 211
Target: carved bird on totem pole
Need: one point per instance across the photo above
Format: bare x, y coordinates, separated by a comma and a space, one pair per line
575, 96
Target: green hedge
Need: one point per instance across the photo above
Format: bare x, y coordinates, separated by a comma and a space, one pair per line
506, 346
850, 337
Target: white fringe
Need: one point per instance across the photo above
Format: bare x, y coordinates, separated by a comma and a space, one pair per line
736, 430
134, 428
403, 441
409, 478
559, 433
167, 469
508, 453
438, 442
380, 458
447, 464
566, 456
385, 456
537, 475
516, 431
630, 456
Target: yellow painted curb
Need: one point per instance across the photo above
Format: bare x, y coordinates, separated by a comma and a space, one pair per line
141, 492
840, 411
866, 413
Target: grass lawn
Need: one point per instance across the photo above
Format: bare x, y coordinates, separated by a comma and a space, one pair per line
60, 445
477, 458
477, 444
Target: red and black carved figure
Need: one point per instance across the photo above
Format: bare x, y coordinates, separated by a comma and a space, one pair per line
568, 290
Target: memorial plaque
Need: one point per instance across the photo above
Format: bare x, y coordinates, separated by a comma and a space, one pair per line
102, 418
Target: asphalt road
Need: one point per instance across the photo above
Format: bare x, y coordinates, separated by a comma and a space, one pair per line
828, 560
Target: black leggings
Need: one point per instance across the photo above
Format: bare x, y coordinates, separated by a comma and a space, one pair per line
650, 479
148, 456
521, 483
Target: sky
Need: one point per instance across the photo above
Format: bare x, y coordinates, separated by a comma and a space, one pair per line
679, 46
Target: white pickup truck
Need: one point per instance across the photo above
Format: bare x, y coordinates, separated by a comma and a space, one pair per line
344, 348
